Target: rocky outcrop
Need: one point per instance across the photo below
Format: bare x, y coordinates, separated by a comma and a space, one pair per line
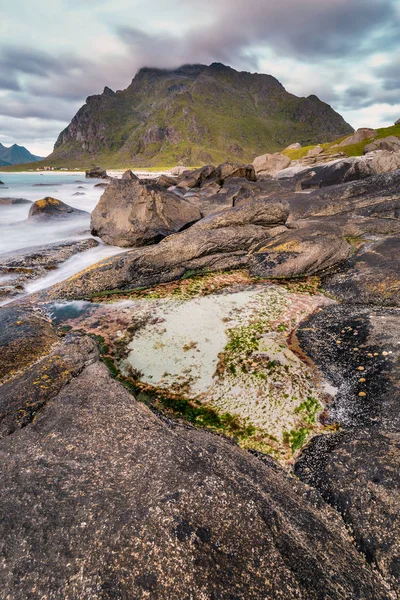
131, 214
390, 143
310, 249
20, 267
369, 503
13, 201
51, 208
96, 173
130, 175
271, 164
364, 133
372, 196
372, 276
129, 510
25, 335
195, 178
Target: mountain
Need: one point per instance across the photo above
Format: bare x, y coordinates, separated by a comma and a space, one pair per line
16, 155
192, 115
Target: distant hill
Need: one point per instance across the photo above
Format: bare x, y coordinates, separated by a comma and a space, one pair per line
193, 115
16, 155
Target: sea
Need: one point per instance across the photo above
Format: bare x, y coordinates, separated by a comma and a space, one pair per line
17, 232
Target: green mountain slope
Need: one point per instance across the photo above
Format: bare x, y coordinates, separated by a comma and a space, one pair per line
193, 115
351, 150
16, 155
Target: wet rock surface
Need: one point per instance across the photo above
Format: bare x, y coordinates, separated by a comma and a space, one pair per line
25, 335
358, 473
51, 208
20, 267
372, 276
103, 498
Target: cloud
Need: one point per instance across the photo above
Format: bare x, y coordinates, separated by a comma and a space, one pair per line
312, 46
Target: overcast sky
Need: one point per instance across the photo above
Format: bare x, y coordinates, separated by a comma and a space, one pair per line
54, 53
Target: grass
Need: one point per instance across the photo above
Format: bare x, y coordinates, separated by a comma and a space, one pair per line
352, 150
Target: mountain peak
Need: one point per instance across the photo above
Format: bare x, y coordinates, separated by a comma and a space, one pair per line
194, 114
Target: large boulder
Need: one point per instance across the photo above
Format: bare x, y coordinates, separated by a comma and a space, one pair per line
104, 499
96, 173
384, 161
227, 170
131, 214
364, 133
129, 175
390, 143
304, 251
195, 178
51, 208
271, 164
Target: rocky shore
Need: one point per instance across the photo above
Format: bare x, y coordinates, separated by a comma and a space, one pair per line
212, 413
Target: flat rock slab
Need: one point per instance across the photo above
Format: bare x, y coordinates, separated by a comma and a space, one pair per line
102, 499
372, 276
358, 473
25, 335
304, 251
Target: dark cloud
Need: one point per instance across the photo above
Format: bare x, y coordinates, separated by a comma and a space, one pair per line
309, 29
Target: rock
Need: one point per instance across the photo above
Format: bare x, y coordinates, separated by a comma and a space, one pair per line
397, 122
264, 213
384, 161
356, 349
228, 170
22, 266
295, 146
372, 276
130, 214
304, 251
96, 173
376, 193
330, 173
12, 201
79, 194
130, 175
25, 335
1, 182
390, 143
51, 208
195, 178
364, 133
370, 502
101, 185
316, 151
135, 505
271, 164
178, 171
165, 181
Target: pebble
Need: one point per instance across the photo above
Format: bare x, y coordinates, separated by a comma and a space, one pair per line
362, 394
360, 368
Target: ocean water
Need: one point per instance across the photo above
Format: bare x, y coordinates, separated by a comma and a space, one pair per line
17, 232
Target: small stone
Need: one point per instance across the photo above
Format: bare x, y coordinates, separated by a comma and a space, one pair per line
362, 380
356, 349
361, 368
362, 394
385, 353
